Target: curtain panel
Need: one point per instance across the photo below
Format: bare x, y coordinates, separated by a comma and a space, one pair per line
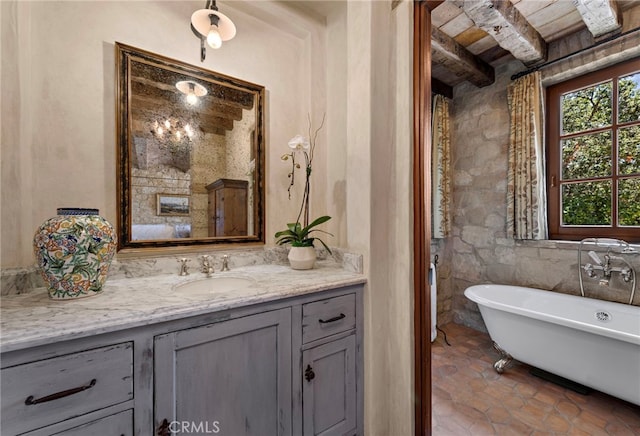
441, 168
526, 188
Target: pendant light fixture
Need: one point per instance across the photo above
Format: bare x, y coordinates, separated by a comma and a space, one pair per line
192, 89
211, 26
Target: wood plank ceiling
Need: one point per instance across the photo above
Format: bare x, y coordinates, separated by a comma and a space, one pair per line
468, 36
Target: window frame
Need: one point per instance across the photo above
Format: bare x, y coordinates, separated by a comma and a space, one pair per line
554, 154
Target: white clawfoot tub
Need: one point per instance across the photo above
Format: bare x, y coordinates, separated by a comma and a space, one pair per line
593, 342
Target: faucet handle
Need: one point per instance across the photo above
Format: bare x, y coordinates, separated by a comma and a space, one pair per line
184, 268
225, 263
207, 266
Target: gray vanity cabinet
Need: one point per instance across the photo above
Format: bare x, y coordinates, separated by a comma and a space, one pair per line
329, 366
329, 388
286, 367
232, 377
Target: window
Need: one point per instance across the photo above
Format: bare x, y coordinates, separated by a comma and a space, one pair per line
593, 155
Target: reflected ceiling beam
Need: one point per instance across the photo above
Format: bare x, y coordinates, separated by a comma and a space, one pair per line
226, 94
508, 27
201, 111
438, 87
461, 62
600, 16
209, 124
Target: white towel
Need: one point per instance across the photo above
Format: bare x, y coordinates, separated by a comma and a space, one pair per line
434, 301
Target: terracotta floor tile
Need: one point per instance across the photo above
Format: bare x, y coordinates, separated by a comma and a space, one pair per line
498, 414
567, 409
557, 424
619, 430
592, 418
470, 398
546, 398
482, 428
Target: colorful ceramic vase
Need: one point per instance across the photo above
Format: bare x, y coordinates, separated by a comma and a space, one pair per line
74, 251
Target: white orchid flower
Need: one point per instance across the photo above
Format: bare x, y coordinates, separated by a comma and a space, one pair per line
299, 142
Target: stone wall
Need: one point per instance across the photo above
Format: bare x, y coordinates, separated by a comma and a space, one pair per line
478, 250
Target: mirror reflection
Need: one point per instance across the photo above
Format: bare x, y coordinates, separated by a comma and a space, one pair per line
190, 154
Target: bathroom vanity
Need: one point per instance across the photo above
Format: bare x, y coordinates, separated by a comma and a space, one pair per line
279, 355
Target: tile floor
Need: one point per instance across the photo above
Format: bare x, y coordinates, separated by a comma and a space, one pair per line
470, 398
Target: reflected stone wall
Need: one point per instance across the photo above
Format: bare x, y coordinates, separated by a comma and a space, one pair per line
147, 183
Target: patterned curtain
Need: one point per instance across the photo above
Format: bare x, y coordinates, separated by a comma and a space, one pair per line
441, 168
526, 195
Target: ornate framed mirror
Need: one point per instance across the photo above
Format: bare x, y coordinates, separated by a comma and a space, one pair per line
190, 154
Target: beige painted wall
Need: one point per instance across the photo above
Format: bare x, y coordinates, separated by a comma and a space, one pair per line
58, 99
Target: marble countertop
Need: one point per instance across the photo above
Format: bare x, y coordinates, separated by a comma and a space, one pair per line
32, 319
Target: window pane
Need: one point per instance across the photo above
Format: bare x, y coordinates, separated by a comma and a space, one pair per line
586, 204
629, 150
586, 109
629, 98
629, 202
586, 156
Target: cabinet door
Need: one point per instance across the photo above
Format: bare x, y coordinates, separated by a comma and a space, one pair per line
329, 388
230, 378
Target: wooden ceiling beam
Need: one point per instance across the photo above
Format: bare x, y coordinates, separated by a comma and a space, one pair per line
510, 29
438, 87
461, 62
600, 16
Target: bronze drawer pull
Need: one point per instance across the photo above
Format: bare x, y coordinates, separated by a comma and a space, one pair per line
334, 319
30, 401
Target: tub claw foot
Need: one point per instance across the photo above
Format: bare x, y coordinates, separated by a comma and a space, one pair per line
505, 359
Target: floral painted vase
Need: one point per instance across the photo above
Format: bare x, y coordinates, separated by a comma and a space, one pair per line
302, 257
74, 251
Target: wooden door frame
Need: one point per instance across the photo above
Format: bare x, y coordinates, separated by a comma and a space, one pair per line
422, 211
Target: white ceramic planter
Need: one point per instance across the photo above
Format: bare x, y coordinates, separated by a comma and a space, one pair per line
302, 257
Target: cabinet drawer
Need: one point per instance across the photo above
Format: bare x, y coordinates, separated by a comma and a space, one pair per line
120, 424
52, 390
327, 317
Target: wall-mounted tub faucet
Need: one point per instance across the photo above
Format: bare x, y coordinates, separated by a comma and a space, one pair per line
614, 262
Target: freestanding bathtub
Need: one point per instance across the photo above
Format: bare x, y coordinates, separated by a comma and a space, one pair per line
592, 342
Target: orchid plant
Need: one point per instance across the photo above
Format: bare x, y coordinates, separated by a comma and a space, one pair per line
298, 233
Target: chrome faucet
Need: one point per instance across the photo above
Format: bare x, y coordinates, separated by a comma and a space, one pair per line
225, 263
184, 268
207, 266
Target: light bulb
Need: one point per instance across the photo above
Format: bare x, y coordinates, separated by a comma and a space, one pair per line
192, 98
160, 131
213, 38
167, 124
178, 135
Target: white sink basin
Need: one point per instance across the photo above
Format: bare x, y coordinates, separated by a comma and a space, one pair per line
215, 284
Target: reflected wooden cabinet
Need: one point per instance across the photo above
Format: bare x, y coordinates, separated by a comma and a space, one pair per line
227, 212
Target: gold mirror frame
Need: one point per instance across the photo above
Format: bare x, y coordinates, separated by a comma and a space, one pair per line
124, 57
